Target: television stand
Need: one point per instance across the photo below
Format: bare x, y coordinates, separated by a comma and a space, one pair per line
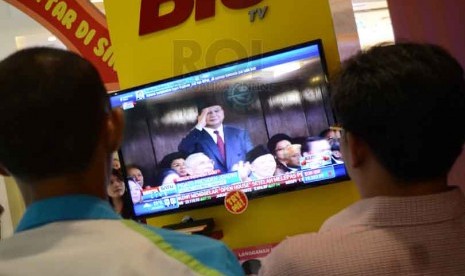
200, 227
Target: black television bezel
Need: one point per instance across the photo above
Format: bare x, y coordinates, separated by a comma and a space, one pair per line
261, 193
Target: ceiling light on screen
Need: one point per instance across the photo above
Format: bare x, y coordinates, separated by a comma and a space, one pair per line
283, 69
286, 99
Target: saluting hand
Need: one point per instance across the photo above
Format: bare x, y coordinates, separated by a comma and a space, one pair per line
202, 119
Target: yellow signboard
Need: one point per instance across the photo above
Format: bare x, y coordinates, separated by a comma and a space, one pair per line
157, 39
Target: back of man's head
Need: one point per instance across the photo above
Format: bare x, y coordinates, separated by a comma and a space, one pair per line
407, 103
52, 108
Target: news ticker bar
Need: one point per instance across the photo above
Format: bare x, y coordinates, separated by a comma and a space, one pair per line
167, 198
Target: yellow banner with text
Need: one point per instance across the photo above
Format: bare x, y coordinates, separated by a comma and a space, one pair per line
157, 39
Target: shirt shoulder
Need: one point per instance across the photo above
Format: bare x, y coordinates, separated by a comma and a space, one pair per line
323, 253
202, 254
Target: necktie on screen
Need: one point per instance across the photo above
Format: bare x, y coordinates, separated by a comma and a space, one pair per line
220, 144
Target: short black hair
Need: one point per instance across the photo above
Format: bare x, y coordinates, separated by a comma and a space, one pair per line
52, 109
401, 100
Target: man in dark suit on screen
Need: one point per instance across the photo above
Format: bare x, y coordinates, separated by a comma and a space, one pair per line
225, 145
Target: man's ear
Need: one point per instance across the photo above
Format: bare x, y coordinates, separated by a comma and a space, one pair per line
4, 171
357, 149
115, 127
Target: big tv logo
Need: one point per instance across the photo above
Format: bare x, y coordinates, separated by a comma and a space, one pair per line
151, 21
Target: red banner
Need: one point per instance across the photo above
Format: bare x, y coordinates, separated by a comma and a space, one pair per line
80, 26
254, 252
251, 257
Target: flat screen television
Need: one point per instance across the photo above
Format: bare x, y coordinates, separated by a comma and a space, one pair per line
251, 101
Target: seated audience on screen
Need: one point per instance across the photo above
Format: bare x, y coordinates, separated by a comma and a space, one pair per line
292, 154
336, 152
116, 193
262, 163
57, 137
171, 168
176, 162
276, 146
135, 173
135, 190
333, 135
243, 169
319, 147
198, 165
223, 144
394, 102
166, 176
116, 164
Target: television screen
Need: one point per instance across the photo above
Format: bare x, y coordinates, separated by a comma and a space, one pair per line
262, 125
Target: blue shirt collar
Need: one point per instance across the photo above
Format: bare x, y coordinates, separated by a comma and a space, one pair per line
73, 207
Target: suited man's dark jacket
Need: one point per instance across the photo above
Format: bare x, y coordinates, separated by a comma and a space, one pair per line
237, 144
